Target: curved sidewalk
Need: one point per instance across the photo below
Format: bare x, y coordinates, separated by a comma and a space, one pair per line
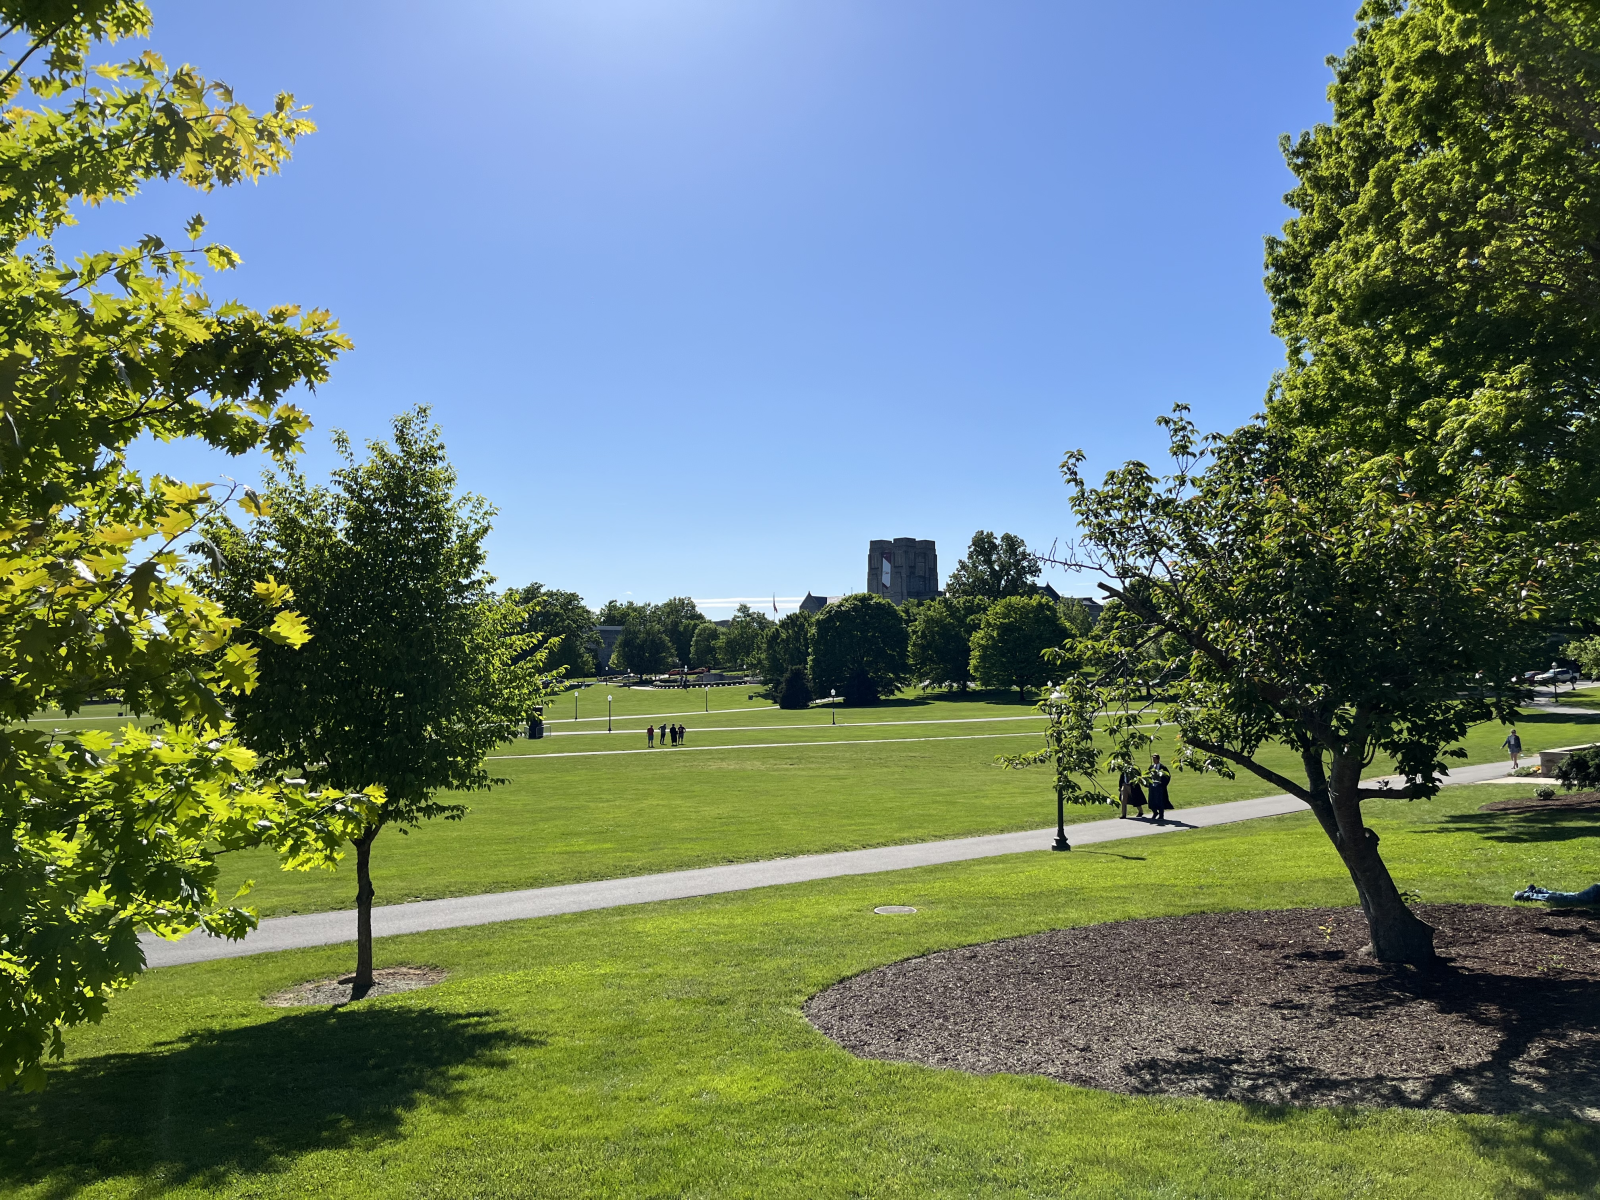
322, 929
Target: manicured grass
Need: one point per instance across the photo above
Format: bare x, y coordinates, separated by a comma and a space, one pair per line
566, 819
660, 1051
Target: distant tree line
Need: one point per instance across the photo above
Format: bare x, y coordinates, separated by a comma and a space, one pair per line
991, 629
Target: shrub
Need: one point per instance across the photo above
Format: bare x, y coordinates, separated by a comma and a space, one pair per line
1544, 793
796, 690
1580, 769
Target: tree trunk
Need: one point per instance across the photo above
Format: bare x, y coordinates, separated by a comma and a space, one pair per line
1398, 934
364, 894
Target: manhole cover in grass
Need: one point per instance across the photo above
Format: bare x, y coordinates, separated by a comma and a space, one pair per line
337, 991
1268, 1007
893, 910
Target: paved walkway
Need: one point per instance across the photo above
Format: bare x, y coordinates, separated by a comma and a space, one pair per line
322, 929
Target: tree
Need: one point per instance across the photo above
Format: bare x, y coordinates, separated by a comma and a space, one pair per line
785, 646
705, 646
1586, 653
1436, 290
1320, 606
858, 647
563, 625
1008, 648
101, 834
417, 670
940, 644
641, 648
678, 618
995, 568
795, 691
743, 638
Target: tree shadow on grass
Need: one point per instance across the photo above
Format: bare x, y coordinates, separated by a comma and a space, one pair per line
1550, 718
218, 1103
1561, 825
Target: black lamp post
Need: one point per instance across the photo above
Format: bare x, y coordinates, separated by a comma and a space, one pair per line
1061, 842
608, 713
832, 707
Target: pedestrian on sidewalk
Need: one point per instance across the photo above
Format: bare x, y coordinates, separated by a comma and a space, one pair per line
650, 736
1514, 744
1131, 793
1160, 803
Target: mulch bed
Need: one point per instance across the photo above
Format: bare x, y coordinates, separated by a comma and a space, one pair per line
1271, 1007
385, 982
1574, 802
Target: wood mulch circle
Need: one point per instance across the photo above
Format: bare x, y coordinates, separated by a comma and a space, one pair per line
1269, 1007
1575, 802
385, 982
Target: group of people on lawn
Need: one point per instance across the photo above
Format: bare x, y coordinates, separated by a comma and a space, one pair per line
1133, 795
675, 732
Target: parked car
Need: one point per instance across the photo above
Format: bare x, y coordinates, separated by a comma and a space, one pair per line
1556, 675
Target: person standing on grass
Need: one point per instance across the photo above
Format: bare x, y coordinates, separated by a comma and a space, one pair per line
1160, 803
682, 733
650, 736
1514, 744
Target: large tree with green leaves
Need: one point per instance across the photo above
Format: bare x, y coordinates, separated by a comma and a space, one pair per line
641, 648
939, 650
858, 648
1013, 634
417, 669
105, 834
563, 624
787, 645
743, 638
995, 568
1437, 287
1277, 597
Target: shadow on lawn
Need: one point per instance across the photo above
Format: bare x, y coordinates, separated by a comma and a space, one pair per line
244, 1100
1518, 827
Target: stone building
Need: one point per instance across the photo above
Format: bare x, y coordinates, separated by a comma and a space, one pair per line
904, 569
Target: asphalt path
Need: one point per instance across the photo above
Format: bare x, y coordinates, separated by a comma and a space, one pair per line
389, 920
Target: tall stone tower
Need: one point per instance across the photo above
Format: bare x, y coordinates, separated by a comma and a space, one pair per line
904, 569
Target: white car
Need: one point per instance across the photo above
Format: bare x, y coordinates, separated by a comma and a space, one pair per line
1556, 675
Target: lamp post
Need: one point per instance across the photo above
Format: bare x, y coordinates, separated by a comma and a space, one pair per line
575, 692
608, 713
708, 697
1061, 842
832, 711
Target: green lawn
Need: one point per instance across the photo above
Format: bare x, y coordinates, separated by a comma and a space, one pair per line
566, 814
659, 1051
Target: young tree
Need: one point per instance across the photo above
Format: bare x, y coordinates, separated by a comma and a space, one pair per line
786, 645
705, 646
1586, 653
743, 638
563, 625
417, 669
1008, 648
995, 568
641, 648
940, 645
795, 691
1319, 605
103, 835
858, 647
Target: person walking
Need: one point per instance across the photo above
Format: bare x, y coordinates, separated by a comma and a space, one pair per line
682, 733
1160, 802
650, 736
1131, 793
1514, 744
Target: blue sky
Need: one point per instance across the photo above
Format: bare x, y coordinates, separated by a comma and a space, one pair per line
706, 294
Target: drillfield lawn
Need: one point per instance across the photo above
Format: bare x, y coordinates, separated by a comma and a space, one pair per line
660, 1050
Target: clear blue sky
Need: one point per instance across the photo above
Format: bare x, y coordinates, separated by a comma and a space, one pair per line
708, 293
